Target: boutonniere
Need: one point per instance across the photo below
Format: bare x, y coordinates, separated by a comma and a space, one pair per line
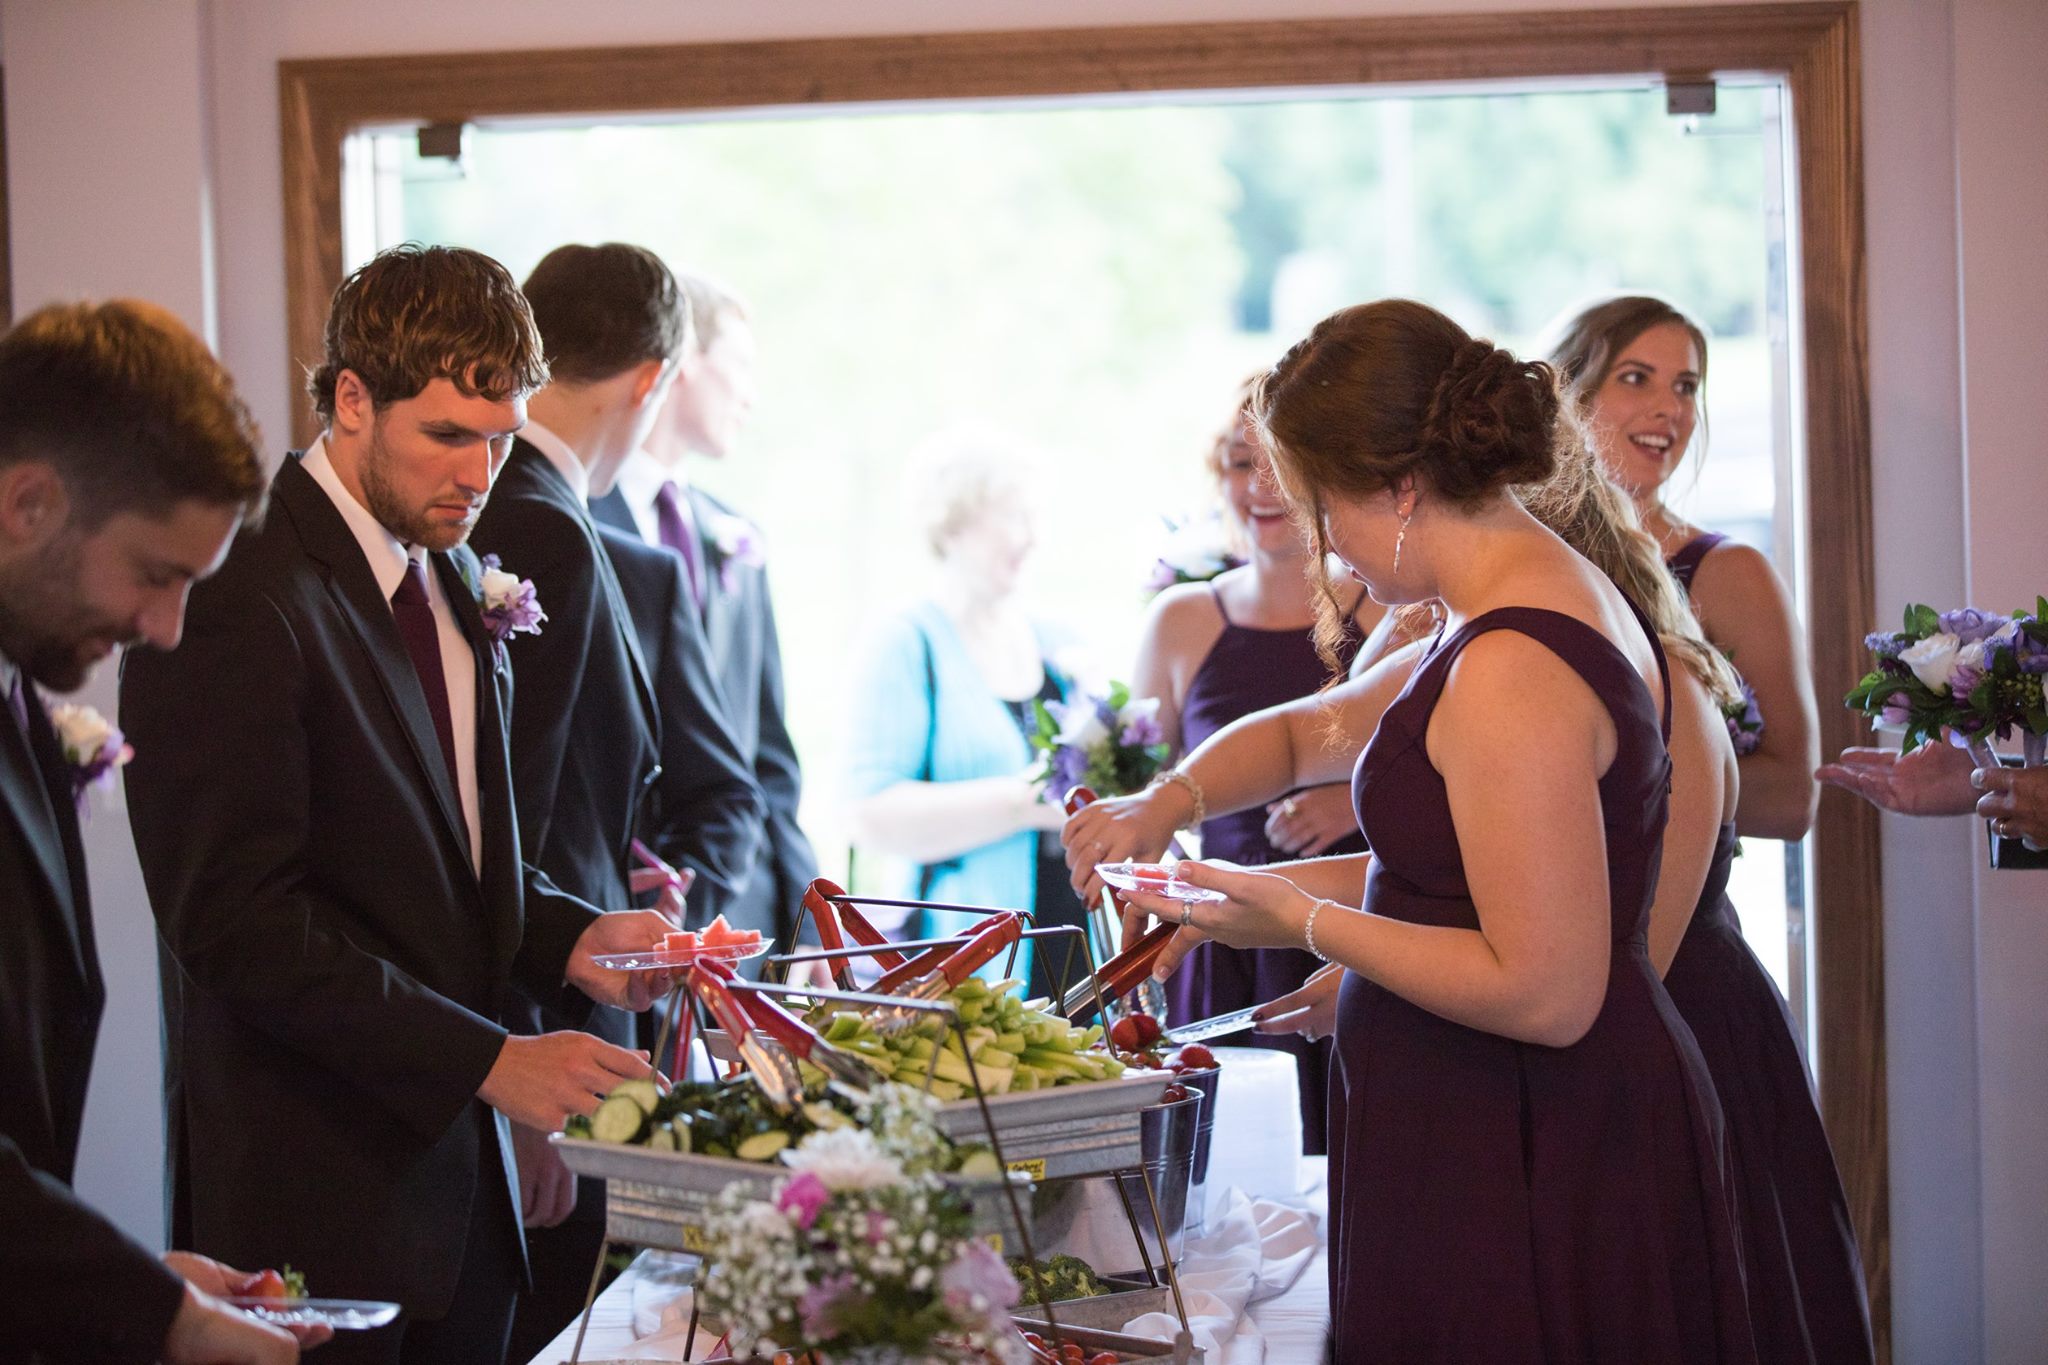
737, 544
507, 602
92, 745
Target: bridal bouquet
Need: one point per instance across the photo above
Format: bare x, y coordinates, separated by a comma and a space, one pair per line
1111, 742
861, 1254
1197, 549
1975, 673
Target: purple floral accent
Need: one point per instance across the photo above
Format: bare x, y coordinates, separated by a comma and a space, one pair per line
509, 604
802, 1197
1142, 732
1886, 644
1897, 709
736, 544
819, 1307
1745, 722
1964, 680
978, 1283
1968, 624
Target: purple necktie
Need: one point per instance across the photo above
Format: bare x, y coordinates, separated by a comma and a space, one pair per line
415, 616
673, 526
18, 704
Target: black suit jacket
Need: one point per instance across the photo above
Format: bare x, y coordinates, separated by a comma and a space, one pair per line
61, 1264
739, 627
706, 813
336, 968
586, 739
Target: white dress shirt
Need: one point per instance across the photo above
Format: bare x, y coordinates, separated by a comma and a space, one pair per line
560, 456
640, 480
387, 556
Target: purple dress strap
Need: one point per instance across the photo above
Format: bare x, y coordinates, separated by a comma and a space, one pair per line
1686, 562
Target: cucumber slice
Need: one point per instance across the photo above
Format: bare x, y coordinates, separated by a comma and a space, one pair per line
681, 1129
662, 1139
641, 1092
762, 1146
981, 1164
619, 1119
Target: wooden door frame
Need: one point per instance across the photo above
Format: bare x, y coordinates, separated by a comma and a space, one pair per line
1812, 46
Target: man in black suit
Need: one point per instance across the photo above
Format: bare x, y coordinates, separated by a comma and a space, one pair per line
721, 552
328, 835
126, 463
587, 740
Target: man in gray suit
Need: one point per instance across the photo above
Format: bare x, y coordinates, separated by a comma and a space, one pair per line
727, 573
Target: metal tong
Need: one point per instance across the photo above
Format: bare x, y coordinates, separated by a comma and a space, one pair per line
773, 1070
981, 948
798, 1038
1123, 973
836, 920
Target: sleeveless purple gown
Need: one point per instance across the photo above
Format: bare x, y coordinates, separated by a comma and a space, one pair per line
1249, 669
1506, 1202
1807, 1300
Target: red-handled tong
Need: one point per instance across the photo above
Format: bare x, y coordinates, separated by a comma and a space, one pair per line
982, 947
1123, 973
836, 921
798, 1038
773, 1071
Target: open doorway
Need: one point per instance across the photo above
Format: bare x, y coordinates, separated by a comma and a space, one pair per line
1096, 278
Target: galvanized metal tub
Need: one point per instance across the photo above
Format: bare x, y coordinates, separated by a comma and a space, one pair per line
1087, 1217
664, 1199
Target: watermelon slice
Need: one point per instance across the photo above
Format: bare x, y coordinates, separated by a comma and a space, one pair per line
680, 942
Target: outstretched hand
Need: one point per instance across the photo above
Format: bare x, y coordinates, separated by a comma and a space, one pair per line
1933, 779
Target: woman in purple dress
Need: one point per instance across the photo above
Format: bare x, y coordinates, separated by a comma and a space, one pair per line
1212, 652
1525, 1149
1638, 366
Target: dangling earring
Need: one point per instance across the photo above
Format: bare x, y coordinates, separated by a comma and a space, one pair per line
1402, 539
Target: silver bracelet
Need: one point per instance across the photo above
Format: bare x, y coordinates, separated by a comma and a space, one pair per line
1308, 929
1194, 790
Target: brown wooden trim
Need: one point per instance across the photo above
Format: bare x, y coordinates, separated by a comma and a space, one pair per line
6, 225
1813, 45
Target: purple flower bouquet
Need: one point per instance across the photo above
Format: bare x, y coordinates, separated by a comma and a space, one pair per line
1111, 743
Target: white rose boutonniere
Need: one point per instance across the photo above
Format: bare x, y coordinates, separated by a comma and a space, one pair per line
509, 603
92, 745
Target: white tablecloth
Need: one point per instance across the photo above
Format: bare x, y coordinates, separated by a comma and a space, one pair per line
641, 1316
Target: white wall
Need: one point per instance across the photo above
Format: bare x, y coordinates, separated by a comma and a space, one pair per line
127, 119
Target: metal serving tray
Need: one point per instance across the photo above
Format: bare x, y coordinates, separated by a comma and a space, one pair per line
1131, 1298
664, 1199
1090, 1128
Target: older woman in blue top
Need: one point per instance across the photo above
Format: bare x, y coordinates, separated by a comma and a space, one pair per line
937, 757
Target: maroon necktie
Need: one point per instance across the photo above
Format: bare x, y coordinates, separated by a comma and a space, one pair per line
675, 532
415, 616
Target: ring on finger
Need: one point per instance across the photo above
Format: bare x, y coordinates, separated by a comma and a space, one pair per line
1187, 913
1287, 808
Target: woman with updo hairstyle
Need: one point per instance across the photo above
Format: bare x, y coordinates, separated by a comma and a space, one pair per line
1525, 1158
1636, 369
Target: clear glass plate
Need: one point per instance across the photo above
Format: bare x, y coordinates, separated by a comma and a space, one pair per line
675, 959
1155, 879
343, 1315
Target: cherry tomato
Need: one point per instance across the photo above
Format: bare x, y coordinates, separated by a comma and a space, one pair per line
1197, 1057
1104, 1358
269, 1285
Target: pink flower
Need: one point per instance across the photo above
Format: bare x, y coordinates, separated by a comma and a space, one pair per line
978, 1284
818, 1309
878, 1227
802, 1197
